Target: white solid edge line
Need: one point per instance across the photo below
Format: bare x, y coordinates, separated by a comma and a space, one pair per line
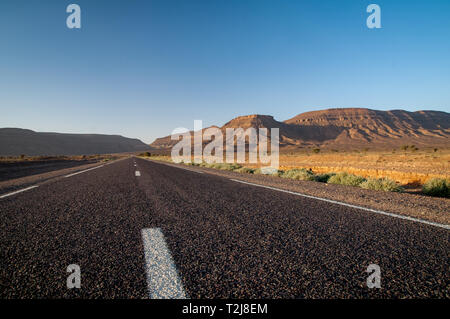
86, 170
19, 191
186, 169
163, 281
190, 170
137, 173
350, 205
176, 166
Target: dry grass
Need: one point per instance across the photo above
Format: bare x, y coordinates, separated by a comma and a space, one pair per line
408, 168
404, 167
164, 158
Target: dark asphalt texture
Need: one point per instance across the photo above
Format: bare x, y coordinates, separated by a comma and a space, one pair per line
14, 170
228, 240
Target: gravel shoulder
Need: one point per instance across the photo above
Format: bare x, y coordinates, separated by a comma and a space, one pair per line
433, 209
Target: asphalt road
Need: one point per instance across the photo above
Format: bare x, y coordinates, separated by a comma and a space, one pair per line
225, 240
20, 169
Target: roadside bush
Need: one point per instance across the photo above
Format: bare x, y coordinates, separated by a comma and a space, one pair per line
192, 164
437, 187
245, 170
267, 171
300, 174
381, 184
323, 178
232, 167
222, 166
346, 179
145, 154
257, 171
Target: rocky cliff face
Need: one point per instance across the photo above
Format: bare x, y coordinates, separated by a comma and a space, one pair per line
349, 128
343, 127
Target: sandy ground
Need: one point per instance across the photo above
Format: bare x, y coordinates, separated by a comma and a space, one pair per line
405, 167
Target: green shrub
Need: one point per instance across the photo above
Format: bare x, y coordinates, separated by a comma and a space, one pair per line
437, 187
381, 184
223, 166
192, 164
323, 178
257, 171
145, 154
346, 179
300, 174
245, 170
267, 171
232, 167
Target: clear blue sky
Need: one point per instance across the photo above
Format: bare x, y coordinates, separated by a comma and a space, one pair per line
143, 68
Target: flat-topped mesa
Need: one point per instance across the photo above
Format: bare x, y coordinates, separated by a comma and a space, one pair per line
340, 117
254, 120
367, 118
349, 128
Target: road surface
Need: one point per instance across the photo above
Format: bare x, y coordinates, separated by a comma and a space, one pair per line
140, 229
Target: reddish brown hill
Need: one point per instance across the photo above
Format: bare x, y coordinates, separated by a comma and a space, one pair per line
255, 120
349, 128
358, 126
244, 122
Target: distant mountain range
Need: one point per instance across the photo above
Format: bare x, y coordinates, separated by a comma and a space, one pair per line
16, 141
348, 128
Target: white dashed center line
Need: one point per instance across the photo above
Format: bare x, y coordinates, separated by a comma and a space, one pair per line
162, 277
137, 173
19, 191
